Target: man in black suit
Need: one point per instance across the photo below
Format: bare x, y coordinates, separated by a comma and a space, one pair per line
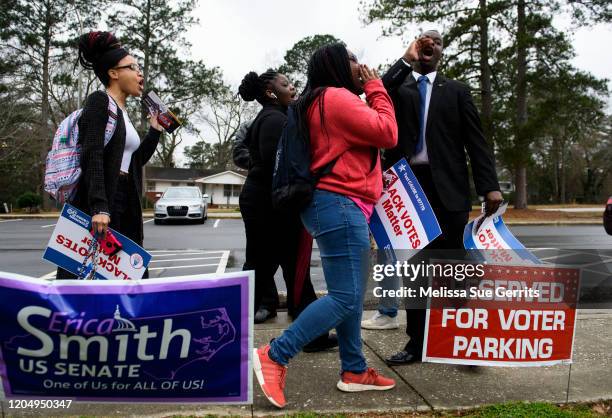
437, 122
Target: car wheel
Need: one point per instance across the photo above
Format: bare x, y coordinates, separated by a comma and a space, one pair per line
201, 220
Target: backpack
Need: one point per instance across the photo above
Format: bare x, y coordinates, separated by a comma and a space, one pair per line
63, 169
292, 182
240, 152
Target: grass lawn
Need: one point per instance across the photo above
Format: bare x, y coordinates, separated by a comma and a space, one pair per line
505, 410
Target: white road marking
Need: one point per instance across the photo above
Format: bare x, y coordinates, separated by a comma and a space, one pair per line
597, 272
223, 262
184, 259
182, 267
49, 276
47, 226
186, 250
146, 222
175, 254
11, 220
561, 255
595, 263
216, 223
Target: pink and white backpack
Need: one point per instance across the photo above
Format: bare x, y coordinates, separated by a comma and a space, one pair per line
63, 169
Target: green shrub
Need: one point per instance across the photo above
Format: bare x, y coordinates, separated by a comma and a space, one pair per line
29, 200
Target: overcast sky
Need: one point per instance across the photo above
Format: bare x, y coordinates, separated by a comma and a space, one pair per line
251, 35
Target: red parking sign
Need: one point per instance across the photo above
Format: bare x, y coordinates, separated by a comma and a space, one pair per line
514, 316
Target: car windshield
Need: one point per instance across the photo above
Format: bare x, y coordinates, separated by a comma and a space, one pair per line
180, 193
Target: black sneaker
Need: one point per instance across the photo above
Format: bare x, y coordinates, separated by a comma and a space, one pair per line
322, 343
263, 314
404, 357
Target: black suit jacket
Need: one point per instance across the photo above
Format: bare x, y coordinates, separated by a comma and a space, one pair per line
453, 126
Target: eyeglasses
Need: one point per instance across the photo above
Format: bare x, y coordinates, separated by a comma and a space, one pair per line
133, 67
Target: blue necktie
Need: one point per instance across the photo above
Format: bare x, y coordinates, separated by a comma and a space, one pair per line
422, 85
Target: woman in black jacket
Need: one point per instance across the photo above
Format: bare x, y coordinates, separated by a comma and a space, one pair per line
262, 225
273, 238
111, 181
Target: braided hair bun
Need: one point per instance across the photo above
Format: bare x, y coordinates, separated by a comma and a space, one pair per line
100, 51
253, 86
250, 87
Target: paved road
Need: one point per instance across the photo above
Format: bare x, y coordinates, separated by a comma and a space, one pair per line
218, 245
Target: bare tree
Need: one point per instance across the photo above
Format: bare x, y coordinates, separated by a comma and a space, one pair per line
224, 114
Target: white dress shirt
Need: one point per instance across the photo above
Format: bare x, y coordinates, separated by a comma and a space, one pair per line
421, 157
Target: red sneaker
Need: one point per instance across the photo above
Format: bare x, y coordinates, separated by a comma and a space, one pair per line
270, 375
368, 380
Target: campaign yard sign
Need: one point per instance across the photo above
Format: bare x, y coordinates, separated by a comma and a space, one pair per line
70, 242
184, 339
500, 245
515, 316
402, 218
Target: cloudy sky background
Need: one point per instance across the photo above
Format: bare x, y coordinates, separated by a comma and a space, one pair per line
247, 35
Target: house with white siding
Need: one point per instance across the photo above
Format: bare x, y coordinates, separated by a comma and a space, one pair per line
222, 187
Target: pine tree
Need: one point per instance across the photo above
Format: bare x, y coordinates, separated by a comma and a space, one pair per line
499, 43
296, 58
154, 31
36, 37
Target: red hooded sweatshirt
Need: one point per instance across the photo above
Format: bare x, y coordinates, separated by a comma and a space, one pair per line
353, 132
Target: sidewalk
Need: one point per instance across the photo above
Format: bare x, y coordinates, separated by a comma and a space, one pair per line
311, 380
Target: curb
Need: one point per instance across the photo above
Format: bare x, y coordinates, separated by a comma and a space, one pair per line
559, 223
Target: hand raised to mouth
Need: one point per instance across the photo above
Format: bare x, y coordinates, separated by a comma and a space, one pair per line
425, 46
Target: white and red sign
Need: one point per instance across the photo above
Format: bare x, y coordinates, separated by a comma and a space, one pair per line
515, 316
403, 218
70, 242
499, 245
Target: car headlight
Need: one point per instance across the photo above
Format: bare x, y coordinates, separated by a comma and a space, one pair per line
160, 206
195, 206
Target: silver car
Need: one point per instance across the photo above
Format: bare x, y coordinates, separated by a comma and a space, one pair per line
181, 203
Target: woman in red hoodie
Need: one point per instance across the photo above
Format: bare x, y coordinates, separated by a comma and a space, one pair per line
344, 129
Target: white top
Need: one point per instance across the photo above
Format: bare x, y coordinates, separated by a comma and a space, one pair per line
132, 142
421, 157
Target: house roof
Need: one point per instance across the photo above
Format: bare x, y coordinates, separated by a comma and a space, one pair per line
210, 179
176, 174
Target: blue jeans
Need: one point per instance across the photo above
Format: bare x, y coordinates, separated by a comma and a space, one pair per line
341, 231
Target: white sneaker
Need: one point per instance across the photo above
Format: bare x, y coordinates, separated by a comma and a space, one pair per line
380, 321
